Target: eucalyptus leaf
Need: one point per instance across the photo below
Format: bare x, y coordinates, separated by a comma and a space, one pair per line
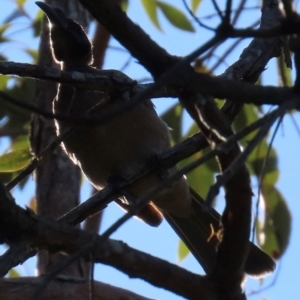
13, 273
274, 234
195, 4
14, 161
175, 16
183, 251
150, 7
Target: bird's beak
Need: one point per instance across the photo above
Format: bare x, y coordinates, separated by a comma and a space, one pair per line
55, 15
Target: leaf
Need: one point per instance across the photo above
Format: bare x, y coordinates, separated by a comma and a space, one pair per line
14, 161
33, 53
3, 28
37, 23
150, 7
21, 2
212, 164
20, 143
247, 116
173, 118
201, 178
124, 5
17, 13
274, 234
195, 4
259, 163
175, 16
23, 90
183, 251
284, 73
3, 81
13, 274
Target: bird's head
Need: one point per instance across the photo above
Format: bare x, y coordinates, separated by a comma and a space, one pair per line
68, 39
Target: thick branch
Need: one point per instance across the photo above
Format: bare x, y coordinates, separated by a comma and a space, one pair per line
63, 288
154, 58
114, 82
26, 229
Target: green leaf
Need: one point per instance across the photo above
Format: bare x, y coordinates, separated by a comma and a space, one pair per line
211, 165
247, 116
23, 90
150, 7
284, 73
21, 2
124, 5
195, 4
183, 251
260, 162
3, 28
173, 118
20, 143
13, 274
17, 13
14, 161
33, 53
37, 23
201, 178
274, 234
3, 81
175, 16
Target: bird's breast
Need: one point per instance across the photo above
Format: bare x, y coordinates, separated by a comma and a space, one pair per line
118, 147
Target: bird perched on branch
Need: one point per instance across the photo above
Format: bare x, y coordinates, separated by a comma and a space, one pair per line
121, 146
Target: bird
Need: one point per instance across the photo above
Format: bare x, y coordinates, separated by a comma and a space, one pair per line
124, 144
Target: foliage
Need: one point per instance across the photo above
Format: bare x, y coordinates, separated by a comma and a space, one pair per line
272, 232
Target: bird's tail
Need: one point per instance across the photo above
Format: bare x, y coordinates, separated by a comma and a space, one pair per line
199, 233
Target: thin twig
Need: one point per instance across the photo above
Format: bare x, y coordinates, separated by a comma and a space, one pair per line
229, 50
195, 18
217, 8
295, 124
238, 12
214, 190
262, 175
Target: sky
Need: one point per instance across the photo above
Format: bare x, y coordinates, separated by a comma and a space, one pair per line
162, 241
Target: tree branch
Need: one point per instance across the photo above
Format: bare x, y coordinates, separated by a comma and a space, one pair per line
63, 288
29, 231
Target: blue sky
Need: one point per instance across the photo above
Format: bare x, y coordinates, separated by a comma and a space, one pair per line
162, 241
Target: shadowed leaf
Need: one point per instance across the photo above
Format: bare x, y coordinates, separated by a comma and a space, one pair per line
274, 234
173, 118
284, 73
